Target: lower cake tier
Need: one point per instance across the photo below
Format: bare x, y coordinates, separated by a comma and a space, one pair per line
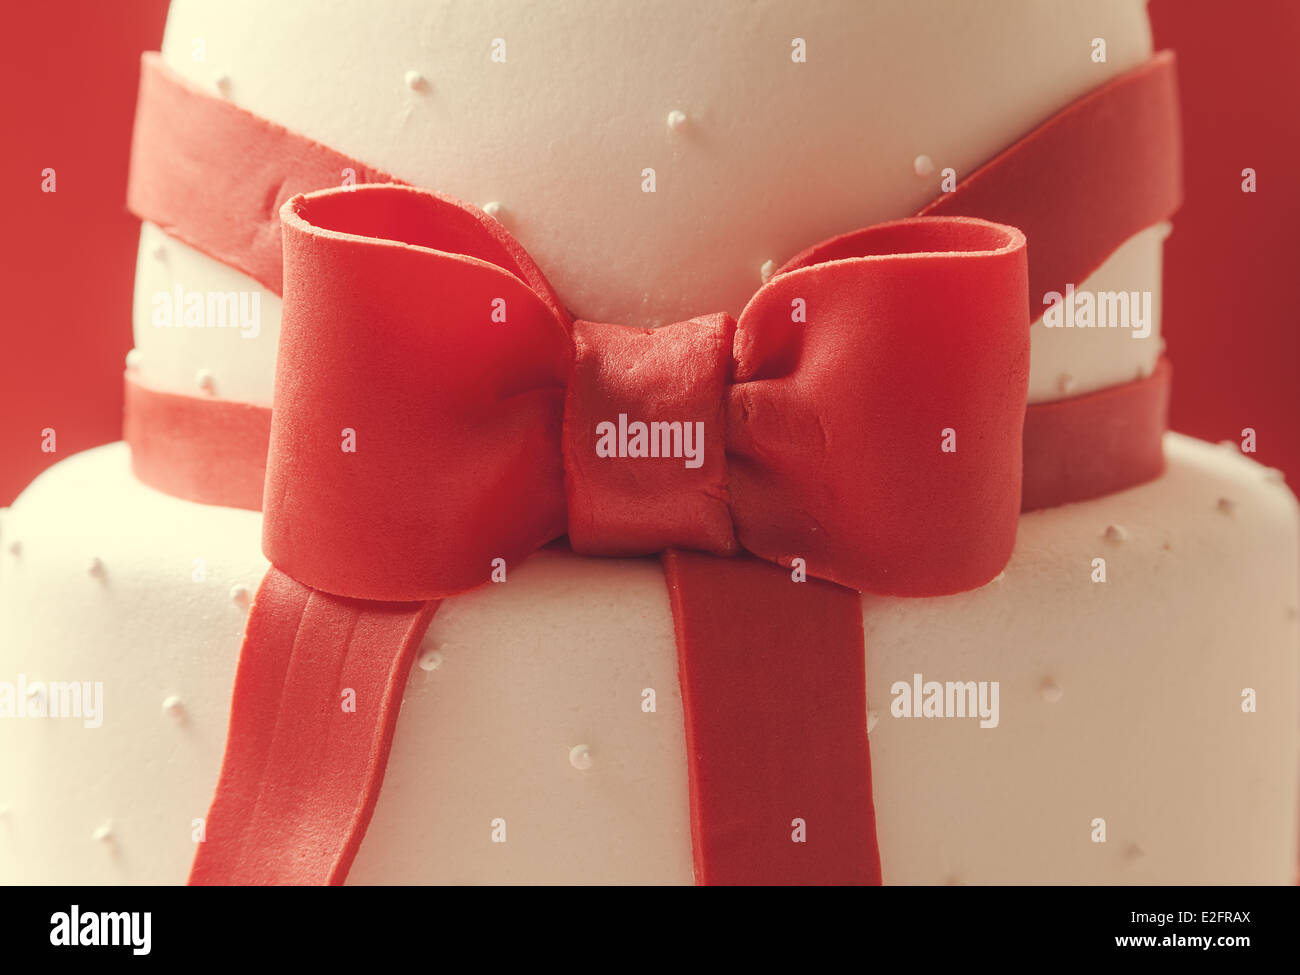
1143, 647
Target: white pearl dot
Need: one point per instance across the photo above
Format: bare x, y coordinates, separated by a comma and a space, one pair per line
767, 270
241, 595
172, 705
1114, 533
1051, 691
580, 757
104, 833
133, 359
676, 119
493, 209
1067, 384
872, 720
430, 660
416, 81
923, 165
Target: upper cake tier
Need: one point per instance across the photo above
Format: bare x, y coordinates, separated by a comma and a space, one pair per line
767, 127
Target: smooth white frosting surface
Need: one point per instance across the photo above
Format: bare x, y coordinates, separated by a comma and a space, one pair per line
772, 155
1147, 731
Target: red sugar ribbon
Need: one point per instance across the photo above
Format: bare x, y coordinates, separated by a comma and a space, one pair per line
824, 447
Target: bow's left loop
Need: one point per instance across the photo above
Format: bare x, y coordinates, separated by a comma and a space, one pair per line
419, 388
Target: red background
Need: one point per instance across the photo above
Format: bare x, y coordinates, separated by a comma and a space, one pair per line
67, 259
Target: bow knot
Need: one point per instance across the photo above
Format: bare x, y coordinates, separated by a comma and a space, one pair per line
644, 438
863, 414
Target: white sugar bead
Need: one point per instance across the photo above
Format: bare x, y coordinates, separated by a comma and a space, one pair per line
172, 706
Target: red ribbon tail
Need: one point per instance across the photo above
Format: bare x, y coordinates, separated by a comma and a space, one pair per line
317, 693
773, 676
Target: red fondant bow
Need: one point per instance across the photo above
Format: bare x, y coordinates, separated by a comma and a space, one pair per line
437, 409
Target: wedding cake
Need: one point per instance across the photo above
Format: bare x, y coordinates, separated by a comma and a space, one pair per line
664, 442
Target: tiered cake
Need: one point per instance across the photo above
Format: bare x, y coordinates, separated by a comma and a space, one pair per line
1136, 658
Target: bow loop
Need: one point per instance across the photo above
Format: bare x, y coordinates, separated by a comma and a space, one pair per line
437, 411
415, 435
874, 429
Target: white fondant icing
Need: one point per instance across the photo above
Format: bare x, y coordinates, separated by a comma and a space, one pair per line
1151, 735
1094, 358
787, 153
